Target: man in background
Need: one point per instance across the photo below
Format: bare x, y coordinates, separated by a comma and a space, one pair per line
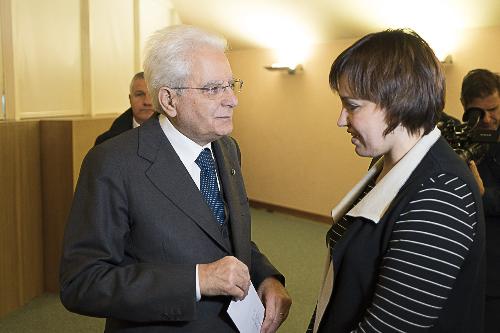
481, 89
159, 234
140, 110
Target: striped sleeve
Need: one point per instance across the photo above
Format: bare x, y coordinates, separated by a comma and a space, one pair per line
428, 246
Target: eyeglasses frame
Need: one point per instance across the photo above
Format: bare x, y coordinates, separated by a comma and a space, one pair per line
221, 88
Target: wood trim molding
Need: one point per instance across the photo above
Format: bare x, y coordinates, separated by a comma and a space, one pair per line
36, 115
137, 37
7, 49
291, 211
87, 97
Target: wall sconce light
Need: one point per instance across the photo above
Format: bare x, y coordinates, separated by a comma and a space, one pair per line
448, 60
291, 69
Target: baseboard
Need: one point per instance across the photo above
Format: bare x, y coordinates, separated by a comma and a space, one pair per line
291, 211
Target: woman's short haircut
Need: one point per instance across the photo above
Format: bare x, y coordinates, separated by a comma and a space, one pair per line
398, 71
168, 53
479, 83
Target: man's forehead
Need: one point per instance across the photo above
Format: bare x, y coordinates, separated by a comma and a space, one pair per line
487, 102
210, 66
139, 84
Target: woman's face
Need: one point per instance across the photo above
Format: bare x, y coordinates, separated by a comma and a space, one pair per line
365, 121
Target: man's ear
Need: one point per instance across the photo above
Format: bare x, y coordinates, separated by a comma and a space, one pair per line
167, 99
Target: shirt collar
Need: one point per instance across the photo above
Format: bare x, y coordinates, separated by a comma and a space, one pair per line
374, 205
187, 149
135, 123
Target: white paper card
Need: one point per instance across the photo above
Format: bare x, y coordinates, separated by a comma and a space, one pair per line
247, 314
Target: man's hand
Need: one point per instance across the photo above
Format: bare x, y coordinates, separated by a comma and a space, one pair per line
277, 303
479, 181
226, 276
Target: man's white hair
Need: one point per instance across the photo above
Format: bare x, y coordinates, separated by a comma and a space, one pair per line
167, 56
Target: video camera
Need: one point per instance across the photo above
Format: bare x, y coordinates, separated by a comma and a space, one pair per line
469, 142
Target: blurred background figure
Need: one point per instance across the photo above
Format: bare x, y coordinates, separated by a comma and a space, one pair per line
481, 89
141, 108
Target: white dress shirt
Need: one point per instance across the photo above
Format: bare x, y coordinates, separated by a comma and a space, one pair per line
188, 151
135, 123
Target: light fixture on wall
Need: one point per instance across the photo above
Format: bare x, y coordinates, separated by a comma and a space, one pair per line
291, 69
447, 60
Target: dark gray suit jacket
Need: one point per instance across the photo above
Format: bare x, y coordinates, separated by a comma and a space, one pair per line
138, 227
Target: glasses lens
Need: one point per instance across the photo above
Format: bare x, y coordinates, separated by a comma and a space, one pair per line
213, 91
236, 85
218, 90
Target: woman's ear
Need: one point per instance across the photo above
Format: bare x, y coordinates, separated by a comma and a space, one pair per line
167, 99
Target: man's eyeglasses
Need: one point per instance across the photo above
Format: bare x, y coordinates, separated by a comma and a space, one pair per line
218, 89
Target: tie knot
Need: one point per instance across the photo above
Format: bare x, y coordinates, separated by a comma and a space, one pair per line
205, 160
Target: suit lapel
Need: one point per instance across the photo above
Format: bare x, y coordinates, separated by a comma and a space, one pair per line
232, 183
169, 175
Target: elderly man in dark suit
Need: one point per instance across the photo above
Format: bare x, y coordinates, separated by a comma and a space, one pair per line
141, 109
158, 238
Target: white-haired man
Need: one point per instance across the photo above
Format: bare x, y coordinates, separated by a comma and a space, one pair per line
158, 239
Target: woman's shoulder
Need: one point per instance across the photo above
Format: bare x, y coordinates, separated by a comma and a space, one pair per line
448, 195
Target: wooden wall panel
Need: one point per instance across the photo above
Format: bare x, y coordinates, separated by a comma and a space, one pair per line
64, 144
39, 165
57, 184
29, 209
21, 266
9, 251
85, 131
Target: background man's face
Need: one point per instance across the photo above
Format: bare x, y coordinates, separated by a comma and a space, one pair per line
491, 106
140, 101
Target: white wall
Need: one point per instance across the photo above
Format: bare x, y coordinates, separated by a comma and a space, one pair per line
47, 57
293, 153
74, 57
111, 54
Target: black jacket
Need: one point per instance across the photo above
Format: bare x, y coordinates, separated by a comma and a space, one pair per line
489, 170
356, 259
121, 124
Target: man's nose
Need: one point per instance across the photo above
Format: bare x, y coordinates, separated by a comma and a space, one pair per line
230, 98
486, 120
147, 99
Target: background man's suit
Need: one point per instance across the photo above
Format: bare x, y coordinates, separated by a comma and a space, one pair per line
489, 169
138, 227
121, 124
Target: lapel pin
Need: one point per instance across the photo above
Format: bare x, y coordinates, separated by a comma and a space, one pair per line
233, 172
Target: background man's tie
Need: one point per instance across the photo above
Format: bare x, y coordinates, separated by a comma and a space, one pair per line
208, 184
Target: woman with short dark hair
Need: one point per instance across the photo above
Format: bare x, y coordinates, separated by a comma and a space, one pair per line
406, 250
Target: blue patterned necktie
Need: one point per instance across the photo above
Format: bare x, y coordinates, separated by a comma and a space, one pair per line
208, 184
